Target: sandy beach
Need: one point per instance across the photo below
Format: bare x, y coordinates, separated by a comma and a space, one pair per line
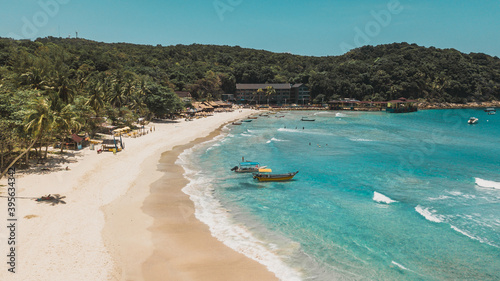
123, 216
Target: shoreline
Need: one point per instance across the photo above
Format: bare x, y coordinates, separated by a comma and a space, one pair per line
98, 231
143, 218
183, 242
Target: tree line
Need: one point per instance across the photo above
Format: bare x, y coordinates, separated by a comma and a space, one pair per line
52, 87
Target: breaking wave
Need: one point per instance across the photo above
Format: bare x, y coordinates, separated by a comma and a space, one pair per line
429, 214
274, 139
381, 198
487, 184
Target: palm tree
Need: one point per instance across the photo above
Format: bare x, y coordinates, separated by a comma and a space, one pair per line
63, 86
66, 122
259, 92
38, 121
269, 92
96, 97
34, 78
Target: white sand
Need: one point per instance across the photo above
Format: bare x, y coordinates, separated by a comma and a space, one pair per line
65, 241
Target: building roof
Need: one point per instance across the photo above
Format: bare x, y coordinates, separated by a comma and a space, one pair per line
298, 85
76, 138
183, 94
402, 100
281, 86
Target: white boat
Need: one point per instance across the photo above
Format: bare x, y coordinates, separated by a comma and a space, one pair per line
473, 120
490, 111
307, 119
251, 167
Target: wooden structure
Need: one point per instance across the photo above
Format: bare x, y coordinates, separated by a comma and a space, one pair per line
401, 105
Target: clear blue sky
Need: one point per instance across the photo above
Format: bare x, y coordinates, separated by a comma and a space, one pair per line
315, 28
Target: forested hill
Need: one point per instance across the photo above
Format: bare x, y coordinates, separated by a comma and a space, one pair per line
367, 73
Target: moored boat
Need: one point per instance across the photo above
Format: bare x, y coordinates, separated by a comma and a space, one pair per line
246, 120
252, 117
473, 120
236, 123
490, 111
250, 167
274, 177
307, 119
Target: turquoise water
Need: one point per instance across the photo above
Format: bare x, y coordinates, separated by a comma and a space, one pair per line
378, 196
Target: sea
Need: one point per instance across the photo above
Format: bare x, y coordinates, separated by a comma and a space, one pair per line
378, 196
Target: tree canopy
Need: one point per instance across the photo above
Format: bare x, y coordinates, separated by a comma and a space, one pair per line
53, 87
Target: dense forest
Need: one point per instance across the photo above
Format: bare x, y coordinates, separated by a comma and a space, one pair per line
52, 87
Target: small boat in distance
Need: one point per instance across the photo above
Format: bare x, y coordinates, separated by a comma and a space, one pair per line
473, 120
250, 167
307, 119
252, 117
274, 177
490, 111
236, 123
247, 120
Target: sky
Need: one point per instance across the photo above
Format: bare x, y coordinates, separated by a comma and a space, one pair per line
312, 28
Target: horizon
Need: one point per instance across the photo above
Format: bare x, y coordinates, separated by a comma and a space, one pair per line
314, 29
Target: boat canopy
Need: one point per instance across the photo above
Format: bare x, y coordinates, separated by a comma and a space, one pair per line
249, 163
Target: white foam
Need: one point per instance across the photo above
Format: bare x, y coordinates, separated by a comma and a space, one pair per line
381, 198
399, 265
484, 241
274, 139
305, 131
487, 184
429, 214
359, 139
289, 130
460, 194
341, 115
209, 211
246, 135
441, 197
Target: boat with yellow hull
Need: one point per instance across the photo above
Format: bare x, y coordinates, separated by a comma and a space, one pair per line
274, 177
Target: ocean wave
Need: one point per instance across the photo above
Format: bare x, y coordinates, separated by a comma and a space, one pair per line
341, 115
246, 135
321, 112
463, 232
381, 198
209, 211
289, 130
429, 214
460, 194
487, 184
305, 131
274, 139
399, 265
441, 197
359, 139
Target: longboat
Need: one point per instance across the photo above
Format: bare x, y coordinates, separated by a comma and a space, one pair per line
307, 119
250, 167
274, 177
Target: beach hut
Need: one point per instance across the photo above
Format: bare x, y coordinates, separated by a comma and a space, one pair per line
401, 105
75, 142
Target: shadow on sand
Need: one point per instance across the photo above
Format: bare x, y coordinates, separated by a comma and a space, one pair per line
53, 199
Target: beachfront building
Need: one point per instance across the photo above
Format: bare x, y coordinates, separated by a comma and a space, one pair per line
285, 93
184, 96
401, 105
301, 94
